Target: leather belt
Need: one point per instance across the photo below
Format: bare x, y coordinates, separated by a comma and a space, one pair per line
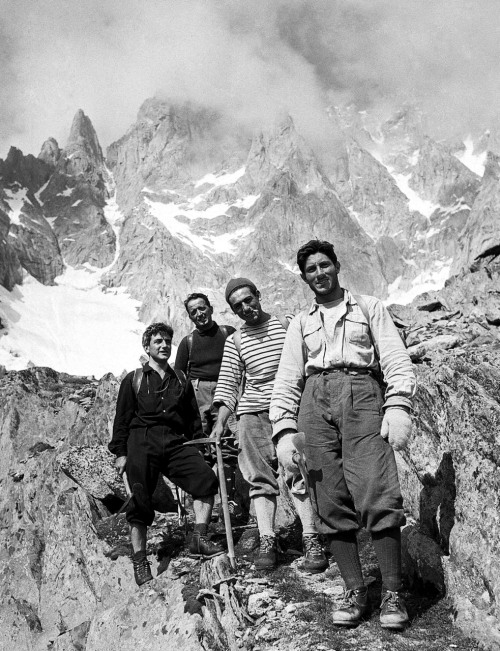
348, 370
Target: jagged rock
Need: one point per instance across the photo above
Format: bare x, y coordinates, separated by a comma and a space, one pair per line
27, 237
441, 342
10, 268
450, 482
50, 152
480, 237
25, 171
82, 154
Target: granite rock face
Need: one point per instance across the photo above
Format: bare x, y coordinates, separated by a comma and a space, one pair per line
481, 233
450, 473
60, 589
28, 239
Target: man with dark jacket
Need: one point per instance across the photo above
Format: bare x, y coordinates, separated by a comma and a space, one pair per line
199, 355
156, 413
328, 386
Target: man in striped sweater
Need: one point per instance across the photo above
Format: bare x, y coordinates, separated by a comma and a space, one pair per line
249, 365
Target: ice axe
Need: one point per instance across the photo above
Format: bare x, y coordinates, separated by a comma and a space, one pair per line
223, 494
129, 495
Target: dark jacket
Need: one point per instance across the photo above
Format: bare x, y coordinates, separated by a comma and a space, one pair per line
158, 404
206, 353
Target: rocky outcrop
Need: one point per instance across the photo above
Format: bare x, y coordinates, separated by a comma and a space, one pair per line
50, 152
28, 238
481, 234
450, 473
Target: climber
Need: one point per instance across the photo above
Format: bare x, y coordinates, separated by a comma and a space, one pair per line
249, 365
328, 386
155, 411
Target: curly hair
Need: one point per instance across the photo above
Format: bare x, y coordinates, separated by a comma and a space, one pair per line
193, 297
312, 247
155, 329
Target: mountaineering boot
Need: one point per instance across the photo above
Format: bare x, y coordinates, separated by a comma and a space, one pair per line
315, 559
142, 571
393, 613
202, 547
267, 558
353, 608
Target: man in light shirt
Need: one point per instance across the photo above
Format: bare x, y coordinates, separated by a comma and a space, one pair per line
249, 365
328, 386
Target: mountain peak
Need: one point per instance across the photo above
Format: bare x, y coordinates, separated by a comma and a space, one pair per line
83, 136
83, 153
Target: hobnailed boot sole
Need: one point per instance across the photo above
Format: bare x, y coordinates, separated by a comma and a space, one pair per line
395, 627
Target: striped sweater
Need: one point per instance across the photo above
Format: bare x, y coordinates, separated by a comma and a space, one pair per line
261, 348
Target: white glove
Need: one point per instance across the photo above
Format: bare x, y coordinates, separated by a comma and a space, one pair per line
396, 427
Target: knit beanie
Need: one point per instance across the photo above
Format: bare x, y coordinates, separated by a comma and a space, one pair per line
238, 283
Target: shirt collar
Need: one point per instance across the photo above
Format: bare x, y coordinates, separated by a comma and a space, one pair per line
348, 298
146, 368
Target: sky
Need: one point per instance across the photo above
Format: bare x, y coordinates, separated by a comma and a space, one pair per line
253, 60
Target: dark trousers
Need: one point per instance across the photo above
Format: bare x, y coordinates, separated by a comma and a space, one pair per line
352, 469
151, 451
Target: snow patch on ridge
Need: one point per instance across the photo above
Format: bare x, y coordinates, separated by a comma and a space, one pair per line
223, 179
15, 200
429, 280
415, 203
167, 214
475, 162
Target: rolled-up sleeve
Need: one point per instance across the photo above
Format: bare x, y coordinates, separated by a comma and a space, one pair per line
395, 362
290, 380
230, 376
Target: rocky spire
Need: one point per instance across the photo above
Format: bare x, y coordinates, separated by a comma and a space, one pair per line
50, 152
82, 154
83, 136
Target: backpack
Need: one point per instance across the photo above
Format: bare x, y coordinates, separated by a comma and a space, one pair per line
190, 338
139, 373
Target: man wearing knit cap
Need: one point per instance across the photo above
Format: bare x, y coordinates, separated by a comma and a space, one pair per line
249, 365
328, 386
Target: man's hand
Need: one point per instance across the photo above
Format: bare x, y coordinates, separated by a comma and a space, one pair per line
218, 431
220, 425
120, 463
396, 427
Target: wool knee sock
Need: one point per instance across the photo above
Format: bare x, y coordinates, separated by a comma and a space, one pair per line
344, 547
265, 511
305, 512
387, 544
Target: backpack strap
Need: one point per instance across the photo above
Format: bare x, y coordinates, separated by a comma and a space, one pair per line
224, 330
139, 374
137, 379
181, 376
364, 308
189, 341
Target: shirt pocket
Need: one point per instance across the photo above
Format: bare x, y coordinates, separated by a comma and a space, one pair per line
357, 330
313, 338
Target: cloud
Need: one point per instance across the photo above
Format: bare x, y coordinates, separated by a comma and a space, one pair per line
253, 60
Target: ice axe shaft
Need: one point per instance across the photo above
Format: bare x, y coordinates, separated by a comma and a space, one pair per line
129, 496
126, 484
223, 494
